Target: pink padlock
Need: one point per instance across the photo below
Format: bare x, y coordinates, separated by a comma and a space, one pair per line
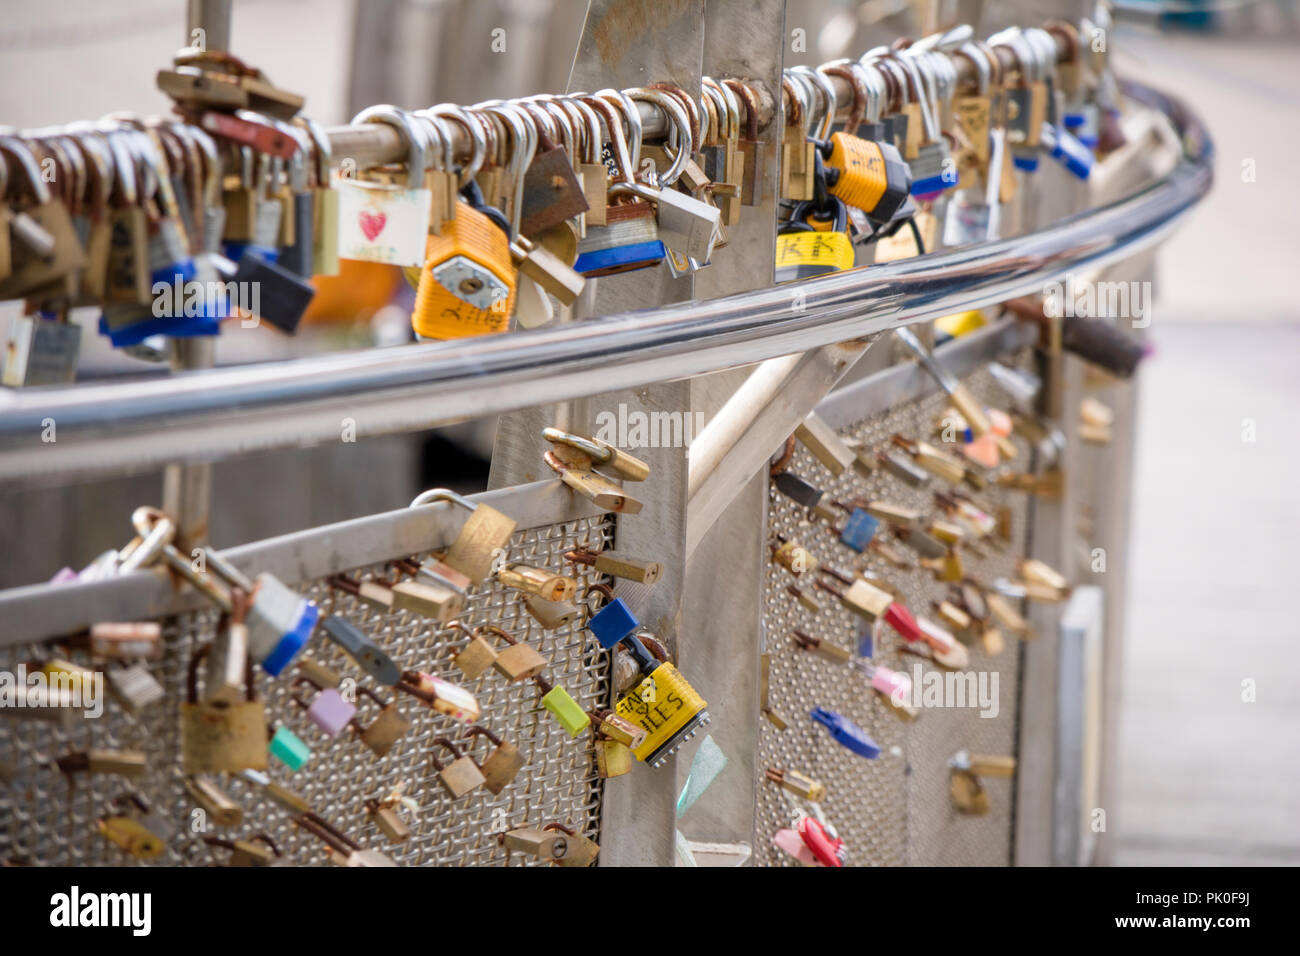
895, 685
328, 710
792, 843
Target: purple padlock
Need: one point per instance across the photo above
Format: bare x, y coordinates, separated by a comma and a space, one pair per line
328, 710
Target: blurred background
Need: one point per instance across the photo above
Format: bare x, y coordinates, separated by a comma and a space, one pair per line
1203, 777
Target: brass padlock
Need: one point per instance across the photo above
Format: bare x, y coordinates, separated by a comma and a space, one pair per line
606, 723
797, 783
793, 556
385, 730
551, 614
483, 538
387, 819
477, 656
502, 765
460, 776
542, 844
617, 565
428, 599
968, 794
216, 803
257, 850
132, 831
894, 514
545, 584
613, 759
221, 736
518, 661
579, 851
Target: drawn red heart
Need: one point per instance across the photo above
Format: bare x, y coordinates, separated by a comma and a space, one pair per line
372, 223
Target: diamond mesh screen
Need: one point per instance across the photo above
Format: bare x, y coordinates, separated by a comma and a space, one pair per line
48, 818
896, 809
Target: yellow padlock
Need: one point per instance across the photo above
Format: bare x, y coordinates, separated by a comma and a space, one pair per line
468, 281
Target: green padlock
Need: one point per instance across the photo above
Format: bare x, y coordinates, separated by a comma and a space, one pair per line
288, 748
566, 710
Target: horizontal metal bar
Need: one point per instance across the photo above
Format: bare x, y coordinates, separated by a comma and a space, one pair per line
907, 381
39, 611
205, 415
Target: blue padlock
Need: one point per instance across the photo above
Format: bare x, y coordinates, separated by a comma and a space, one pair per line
1066, 149
612, 623
847, 733
859, 530
865, 637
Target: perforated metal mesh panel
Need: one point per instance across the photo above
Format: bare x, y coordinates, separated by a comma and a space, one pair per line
896, 809
47, 818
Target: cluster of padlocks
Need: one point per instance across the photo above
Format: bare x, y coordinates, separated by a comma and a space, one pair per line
226, 730
499, 213
972, 450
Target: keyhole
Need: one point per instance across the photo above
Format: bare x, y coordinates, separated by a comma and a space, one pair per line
471, 285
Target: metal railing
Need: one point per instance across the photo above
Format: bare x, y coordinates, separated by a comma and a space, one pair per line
211, 414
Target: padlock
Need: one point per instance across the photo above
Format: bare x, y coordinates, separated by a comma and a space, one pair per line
562, 706
686, 225
615, 727
1039, 572
814, 243
428, 599
846, 733
482, 539
258, 850
385, 730
902, 468
870, 176
227, 662
216, 803
327, 710
927, 546
794, 557
128, 763
663, 703
613, 622
221, 735
288, 748
134, 687
539, 581
468, 281
478, 655
861, 597
48, 248
579, 850
858, 530
502, 765
344, 851
360, 648
460, 776
804, 494
617, 565
968, 794
126, 640
279, 621
551, 614
41, 349
828, 850
374, 594
897, 515
797, 783
443, 696
613, 759
931, 459
388, 820
130, 832
822, 648
542, 844
815, 434
517, 662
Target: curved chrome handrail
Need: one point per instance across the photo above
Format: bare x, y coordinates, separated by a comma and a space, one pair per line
206, 415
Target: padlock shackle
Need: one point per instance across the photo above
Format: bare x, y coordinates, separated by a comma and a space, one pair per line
335, 838
434, 495
443, 742
498, 632
568, 831
302, 679
192, 675
478, 731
